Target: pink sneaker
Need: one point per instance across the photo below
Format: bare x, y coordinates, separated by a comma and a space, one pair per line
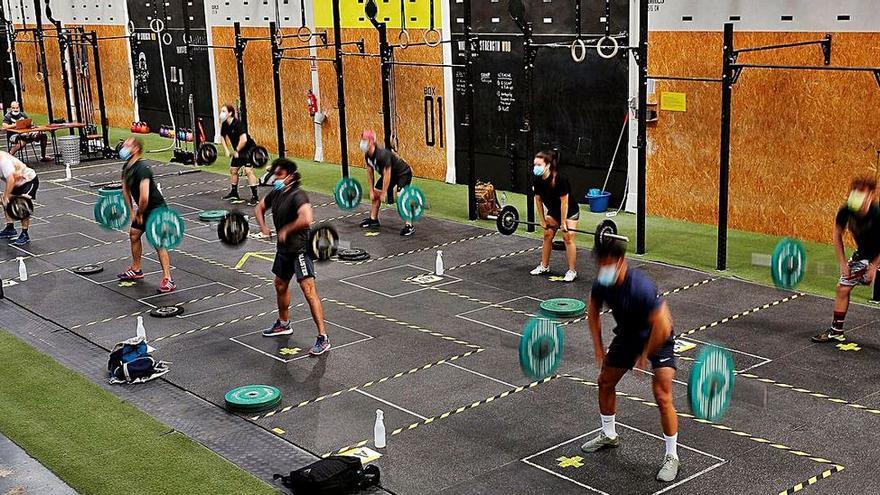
167, 285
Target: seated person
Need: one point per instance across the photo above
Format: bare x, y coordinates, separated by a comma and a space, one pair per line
19, 140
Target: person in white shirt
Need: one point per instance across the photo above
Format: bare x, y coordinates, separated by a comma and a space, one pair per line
19, 180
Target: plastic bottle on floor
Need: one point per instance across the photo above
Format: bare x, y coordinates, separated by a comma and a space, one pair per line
22, 270
379, 430
67, 173
438, 264
141, 331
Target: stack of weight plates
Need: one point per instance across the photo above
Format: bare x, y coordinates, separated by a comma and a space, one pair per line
353, 254
563, 307
252, 398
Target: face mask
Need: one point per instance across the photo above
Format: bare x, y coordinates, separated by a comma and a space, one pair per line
607, 275
15, 112
224, 115
278, 184
856, 200
125, 153
538, 170
365, 145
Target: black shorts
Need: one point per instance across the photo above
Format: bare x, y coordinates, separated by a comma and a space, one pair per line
402, 181
142, 225
241, 160
624, 352
287, 265
30, 188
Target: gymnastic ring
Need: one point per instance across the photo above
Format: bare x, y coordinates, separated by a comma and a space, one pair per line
403, 39
131, 27
433, 37
304, 33
39, 76
166, 38
279, 37
578, 50
601, 44
157, 25
189, 40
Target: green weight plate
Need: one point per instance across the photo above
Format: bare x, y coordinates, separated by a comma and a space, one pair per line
540, 347
711, 383
788, 264
564, 306
212, 215
110, 189
165, 228
411, 203
252, 397
348, 193
111, 212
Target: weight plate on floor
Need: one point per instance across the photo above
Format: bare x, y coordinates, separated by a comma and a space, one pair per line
166, 311
563, 306
540, 347
165, 228
353, 254
111, 212
19, 208
88, 269
788, 264
252, 398
212, 215
559, 245
411, 204
233, 229
348, 193
711, 383
508, 220
323, 242
110, 189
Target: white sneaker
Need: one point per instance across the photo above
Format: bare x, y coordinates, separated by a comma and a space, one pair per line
540, 270
570, 276
669, 471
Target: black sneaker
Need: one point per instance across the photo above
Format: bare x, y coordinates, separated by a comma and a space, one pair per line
8, 233
253, 201
369, 223
828, 336
232, 196
407, 230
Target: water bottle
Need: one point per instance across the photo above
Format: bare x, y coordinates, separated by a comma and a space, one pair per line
438, 263
379, 430
22, 270
141, 331
67, 174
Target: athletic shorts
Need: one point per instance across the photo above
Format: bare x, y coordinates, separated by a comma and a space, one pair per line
623, 353
402, 181
574, 216
30, 188
142, 225
289, 264
858, 271
241, 159
28, 137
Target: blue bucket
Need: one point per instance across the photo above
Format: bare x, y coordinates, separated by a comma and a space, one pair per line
598, 200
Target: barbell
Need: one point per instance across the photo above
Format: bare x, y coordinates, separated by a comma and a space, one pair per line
508, 221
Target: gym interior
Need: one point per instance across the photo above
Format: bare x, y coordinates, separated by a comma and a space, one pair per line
718, 145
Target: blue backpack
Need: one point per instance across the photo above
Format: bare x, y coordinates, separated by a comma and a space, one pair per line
131, 362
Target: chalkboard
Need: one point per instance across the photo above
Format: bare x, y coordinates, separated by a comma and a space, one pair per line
577, 108
182, 79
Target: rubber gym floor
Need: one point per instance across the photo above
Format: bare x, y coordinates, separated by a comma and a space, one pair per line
439, 356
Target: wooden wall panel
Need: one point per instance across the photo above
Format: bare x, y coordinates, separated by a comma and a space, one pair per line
797, 137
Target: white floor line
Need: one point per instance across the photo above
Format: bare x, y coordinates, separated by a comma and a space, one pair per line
391, 404
482, 375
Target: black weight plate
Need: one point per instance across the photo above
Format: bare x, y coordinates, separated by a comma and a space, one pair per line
259, 157
88, 269
110, 189
323, 242
166, 311
353, 254
207, 153
508, 220
233, 229
559, 245
19, 208
606, 226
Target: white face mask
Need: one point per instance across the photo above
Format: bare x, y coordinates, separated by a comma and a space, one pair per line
224, 115
15, 111
365, 145
607, 275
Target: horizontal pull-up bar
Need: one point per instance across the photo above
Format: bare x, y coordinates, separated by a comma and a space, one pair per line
826, 39
215, 47
419, 64
686, 78
369, 55
316, 59
807, 67
321, 46
424, 43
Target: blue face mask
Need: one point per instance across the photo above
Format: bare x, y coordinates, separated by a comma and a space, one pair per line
278, 184
607, 275
124, 153
538, 170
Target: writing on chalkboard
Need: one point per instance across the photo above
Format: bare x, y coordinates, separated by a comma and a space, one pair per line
460, 82
495, 46
654, 5
504, 91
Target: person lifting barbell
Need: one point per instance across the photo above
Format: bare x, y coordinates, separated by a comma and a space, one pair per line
394, 173
553, 192
234, 135
292, 215
21, 182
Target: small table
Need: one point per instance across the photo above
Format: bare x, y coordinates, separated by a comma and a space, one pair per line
51, 129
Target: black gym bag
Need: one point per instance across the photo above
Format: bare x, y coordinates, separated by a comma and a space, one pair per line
335, 475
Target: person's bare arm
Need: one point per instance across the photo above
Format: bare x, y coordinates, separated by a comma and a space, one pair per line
242, 142
226, 144
661, 327
386, 181
563, 213
260, 213
840, 251
595, 324
143, 200
303, 221
11, 181
539, 209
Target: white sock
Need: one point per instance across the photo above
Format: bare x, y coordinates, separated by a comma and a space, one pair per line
671, 445
608, 426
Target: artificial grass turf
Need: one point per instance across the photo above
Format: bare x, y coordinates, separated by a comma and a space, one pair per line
98, 443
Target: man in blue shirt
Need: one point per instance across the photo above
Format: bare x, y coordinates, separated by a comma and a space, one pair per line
643, 332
